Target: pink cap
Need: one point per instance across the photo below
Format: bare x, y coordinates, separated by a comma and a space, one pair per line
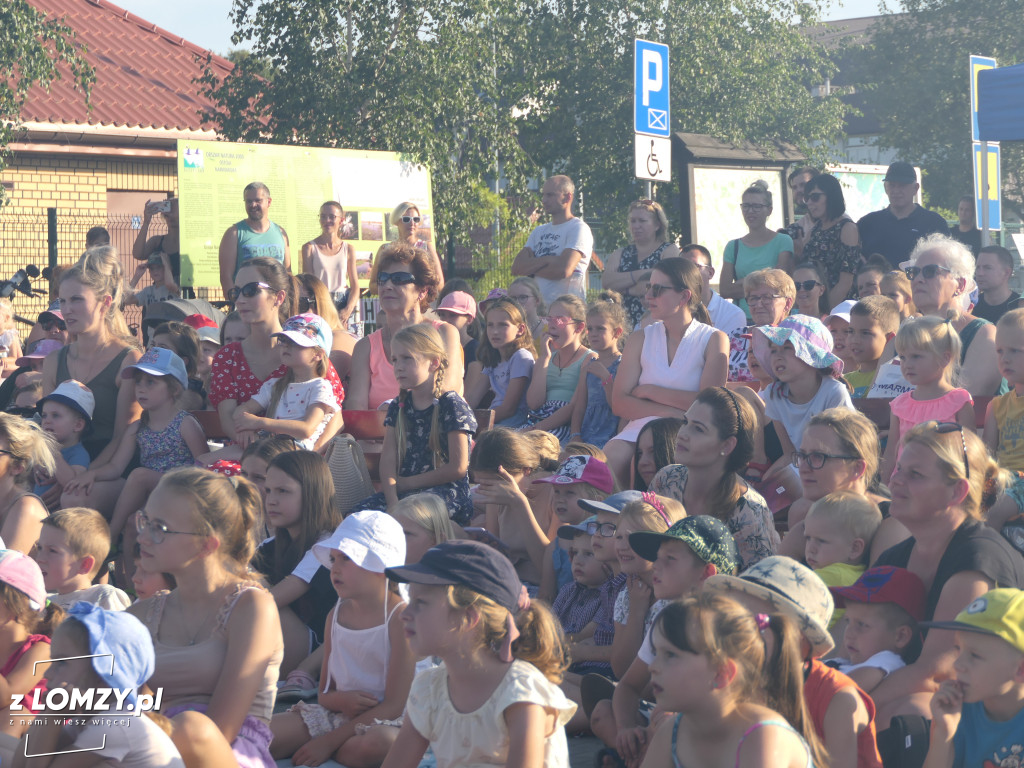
582, 469
459, 302
23, 574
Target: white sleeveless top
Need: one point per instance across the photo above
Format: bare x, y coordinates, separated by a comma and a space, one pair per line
683, 373
331, 270
358, 658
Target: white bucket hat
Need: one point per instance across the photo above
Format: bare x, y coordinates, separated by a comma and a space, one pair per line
372, 540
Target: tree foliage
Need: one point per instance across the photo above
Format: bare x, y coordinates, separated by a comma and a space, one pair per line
542, 86
34, 47
920, 88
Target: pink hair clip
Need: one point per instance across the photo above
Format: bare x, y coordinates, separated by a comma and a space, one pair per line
655, 502
762, 621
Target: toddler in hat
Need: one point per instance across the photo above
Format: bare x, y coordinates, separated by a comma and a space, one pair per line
978, 715
495, 700
807, 378
883, 608
166, 437
367, 667
578, 601
66, 416
117, 735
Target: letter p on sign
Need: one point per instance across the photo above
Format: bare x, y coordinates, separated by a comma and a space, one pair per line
651, 89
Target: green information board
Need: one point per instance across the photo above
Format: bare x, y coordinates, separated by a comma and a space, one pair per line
212, 175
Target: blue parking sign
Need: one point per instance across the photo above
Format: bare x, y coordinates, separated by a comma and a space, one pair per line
651, 113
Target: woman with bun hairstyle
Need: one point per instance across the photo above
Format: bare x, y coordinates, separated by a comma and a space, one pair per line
217, 635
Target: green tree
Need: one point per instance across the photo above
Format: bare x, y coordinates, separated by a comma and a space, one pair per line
36, 48
917, 65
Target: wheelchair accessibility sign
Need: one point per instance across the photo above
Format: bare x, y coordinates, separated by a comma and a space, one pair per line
653, 157
651, 113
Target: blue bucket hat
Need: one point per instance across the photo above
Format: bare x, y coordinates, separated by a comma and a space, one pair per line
126, 658
811, 340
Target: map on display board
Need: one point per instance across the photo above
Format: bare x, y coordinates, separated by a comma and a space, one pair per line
212, 175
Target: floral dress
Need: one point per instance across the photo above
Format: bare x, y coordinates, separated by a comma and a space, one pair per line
455, 416
826, 246
630, 262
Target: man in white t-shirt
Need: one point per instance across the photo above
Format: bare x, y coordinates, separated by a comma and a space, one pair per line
557, 254
725, 315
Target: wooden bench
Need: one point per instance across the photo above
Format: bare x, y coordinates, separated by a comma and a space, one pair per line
878, 411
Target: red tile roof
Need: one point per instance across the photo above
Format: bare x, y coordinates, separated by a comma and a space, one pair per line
144, 73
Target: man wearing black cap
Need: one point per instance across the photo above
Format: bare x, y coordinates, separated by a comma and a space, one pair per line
894, 231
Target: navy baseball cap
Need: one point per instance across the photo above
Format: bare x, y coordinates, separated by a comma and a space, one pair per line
465, 563
612, 504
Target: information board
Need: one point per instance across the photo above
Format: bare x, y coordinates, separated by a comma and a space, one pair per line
212, 175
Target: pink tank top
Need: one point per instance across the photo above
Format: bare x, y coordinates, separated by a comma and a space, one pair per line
383, 385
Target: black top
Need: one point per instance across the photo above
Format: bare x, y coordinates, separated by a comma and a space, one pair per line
314, 606
974, 547
881, 232
971, 238
992, 312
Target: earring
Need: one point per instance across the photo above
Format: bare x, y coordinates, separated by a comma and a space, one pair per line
714, 685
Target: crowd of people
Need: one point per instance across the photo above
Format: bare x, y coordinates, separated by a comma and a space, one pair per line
682, 534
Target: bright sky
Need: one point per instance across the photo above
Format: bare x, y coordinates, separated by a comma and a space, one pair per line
206, 23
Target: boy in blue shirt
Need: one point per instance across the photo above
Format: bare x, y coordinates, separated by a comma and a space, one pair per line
66, 415
978, 717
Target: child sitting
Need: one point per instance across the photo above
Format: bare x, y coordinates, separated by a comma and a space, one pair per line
838, 531
149, 583
873, 324
73, 546
66, 415
577, 602
978, 717
883, 608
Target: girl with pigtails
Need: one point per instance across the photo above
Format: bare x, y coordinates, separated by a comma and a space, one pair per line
426, 441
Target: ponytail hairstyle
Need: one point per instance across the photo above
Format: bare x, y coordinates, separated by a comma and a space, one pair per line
609, 308
30, 448
685, 276
487, 354
184, 343
548, 448
540, 641
423, 339
227, 508
279, 279
731, 416
428, 511
721, 630
35, 622
663, 436
319, 514
99, 270
934, 335
504, 447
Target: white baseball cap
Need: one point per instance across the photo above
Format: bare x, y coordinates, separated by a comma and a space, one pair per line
372, 540
76, 396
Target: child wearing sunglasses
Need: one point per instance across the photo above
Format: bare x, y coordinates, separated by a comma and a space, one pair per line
929, 350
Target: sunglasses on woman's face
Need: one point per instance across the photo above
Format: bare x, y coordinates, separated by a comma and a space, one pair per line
928, 272
656, 289
410, 219
49, 323
248, 290
946, 427
396, 278
307, 304
807, 285
814, 197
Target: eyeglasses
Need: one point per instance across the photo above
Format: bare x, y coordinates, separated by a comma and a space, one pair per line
814, 197
806, 285
307, 303
248, 290
752, 206
816, 459
396, 278
410, 219
928, 272
656, 290
944, 428
157, 531
48, 324
561, 321
604, 530
766, 299
521, 297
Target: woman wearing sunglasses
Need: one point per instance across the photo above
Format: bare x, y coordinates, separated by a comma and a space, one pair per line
265, 297
937, 491
409, 221
834, 241
941, 274
407, 283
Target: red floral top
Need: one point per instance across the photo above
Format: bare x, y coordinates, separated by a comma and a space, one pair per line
231, 378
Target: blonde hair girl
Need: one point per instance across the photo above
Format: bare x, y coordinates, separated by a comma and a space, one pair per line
90, 296
217, 634
739, 698
425, 522
929, 350
496, 693
896, 286
526, 291
24, 449
427, 430
504, 363
607, 327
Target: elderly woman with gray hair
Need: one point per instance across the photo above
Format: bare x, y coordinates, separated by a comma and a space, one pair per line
941, 273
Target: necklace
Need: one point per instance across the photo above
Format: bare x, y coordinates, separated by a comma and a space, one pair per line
561, 368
